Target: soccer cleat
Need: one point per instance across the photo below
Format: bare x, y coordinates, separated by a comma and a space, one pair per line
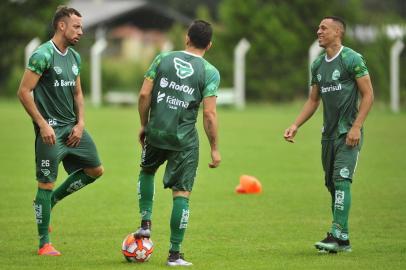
48, 250
344, 245
177, 259
144, 231
328, 244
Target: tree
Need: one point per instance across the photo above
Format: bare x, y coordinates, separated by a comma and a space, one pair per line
21, 20
280, 33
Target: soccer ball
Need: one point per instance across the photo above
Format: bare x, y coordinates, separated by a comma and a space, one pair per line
137, 250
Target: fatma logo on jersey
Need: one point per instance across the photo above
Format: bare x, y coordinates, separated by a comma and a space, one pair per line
183, 69
160, 97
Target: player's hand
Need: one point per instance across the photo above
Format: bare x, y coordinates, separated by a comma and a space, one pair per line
290, 133
48, 134
215, 159
75, 135
353, 137
141, 136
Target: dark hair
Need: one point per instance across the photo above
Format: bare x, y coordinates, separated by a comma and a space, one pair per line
200, 33
339, 20
62, 12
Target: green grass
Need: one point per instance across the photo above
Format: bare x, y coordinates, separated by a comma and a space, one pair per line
274, 230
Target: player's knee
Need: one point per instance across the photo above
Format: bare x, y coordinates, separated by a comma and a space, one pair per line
94, 172
47, 186
179, 193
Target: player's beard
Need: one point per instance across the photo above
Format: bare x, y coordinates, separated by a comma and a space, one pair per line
72, 41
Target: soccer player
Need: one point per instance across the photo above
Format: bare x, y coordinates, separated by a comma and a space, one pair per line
339, 77
174, 86
56, 108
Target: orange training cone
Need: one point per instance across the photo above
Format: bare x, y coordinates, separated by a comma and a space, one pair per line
248, 185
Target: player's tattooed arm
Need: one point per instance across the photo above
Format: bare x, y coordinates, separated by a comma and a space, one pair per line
210, 127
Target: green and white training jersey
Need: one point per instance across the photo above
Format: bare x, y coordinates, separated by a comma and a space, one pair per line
336, 79
181, 81
54, 92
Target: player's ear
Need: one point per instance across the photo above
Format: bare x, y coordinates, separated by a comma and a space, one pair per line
208, 46
187, 40
62, 25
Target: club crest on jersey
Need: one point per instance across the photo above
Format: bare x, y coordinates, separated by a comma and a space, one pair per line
319, 77
335, 75
75, 69
58, 70
183, 69
344, 172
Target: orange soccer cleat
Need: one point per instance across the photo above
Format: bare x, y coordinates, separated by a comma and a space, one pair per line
48, 250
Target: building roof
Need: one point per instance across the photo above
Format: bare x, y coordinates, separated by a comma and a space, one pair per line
138, 12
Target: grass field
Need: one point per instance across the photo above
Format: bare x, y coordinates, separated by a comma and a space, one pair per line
274, 230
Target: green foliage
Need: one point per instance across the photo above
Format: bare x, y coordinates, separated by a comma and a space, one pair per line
377, 56
177, 35
280, 33
122, 75
21, 22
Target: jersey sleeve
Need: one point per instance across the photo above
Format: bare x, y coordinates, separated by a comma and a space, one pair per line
78, 60
358, 67
39, 62
152, 71
212, 82
313, 69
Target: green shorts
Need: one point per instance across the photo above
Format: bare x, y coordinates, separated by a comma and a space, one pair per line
48, 157
181, 167
339, 160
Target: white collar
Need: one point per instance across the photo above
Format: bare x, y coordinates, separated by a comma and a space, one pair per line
195, 55
335, 56
57, 50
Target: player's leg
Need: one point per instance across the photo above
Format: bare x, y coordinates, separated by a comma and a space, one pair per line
46, 173
344, 168
83, 165
327, 157
179, 176
151, 159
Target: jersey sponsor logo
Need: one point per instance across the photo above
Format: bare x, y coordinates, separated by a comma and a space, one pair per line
331, 88
160, 97
58, 70
75, 69
319, 77
183, 69
336, 75
163, 82
178, 87
64, 83
174, 103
